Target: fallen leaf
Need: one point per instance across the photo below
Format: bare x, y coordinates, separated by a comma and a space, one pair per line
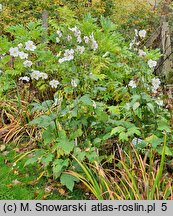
61, 191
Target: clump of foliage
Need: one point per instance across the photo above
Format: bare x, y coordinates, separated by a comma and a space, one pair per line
92, 88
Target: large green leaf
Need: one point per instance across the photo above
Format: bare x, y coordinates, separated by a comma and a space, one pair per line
58, 167
68, 181
64, 143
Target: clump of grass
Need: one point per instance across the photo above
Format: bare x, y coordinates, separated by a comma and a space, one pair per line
135, 177
15, 116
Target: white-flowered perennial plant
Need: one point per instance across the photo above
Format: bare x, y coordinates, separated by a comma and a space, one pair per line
68, 56
155, 84
35, 75
59, 33
29, 45
80, 49
152, 63
132, 84
14, 51
57, 39
94, 44
23, 55
76, 31
25, 78
73, 83
141, 53
54, 83
27, 63
43, 75
142, 33
86, 39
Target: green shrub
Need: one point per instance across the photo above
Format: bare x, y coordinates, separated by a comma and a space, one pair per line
99, 89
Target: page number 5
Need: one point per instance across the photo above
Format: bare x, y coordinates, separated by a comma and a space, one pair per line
164, 207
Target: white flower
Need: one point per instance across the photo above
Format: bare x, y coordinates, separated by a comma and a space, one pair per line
68, 55
79, 39
73, 83
57, 39
43, 75
141, 53
136, 32
76, 31
86, 39
59, 33
25, 78
27, 63
54, 83
142, 33
132, 84
155, 83
159, 102
69, 38
69, 52
29, 45
80, 49
61, 60
94, 105
20, 45
35, 75
94, 45
1, 7
14, 51
23, 55
0, 71
152, 63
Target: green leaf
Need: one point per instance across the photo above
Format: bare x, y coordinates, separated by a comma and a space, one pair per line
118, 130
68, 181
101, 115
64, 143
168, 151
150, 107
86, 100
48, 135
46, 160
31, 160
133, 130
123, 136
58, 167
115, 110
163, 125
42, 121
154, 141
76, 134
